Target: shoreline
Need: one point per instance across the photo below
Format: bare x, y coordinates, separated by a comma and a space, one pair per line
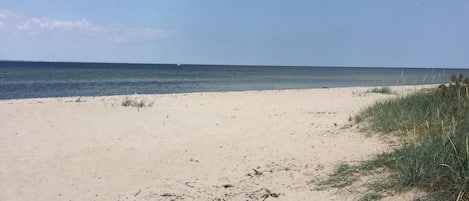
194, 146
397, 87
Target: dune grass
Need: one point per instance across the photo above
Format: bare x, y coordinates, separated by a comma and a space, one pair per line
434, 156
381, 90
134, 103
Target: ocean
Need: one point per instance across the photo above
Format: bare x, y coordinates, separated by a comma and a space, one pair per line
61, 79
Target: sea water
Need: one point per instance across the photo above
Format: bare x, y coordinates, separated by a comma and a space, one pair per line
61, 79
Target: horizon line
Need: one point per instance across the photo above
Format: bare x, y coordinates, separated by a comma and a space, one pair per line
215, 64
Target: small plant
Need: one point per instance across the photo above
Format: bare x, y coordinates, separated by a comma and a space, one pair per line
128, 102
134, 103
381, 90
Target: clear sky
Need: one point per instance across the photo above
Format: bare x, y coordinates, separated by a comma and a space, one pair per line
401, 33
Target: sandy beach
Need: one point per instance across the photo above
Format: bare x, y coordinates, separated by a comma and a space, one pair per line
256, 145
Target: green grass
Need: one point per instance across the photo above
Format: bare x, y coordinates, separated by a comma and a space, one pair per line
371, 196
345, 175
381, 90
434, 156
134, 103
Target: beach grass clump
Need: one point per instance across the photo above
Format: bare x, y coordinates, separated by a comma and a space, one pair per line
134, 103
434, 129
381, 90
344, 175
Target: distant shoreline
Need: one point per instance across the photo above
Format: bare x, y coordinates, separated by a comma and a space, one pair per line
408, 87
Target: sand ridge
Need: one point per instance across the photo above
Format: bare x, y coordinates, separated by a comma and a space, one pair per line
255, 145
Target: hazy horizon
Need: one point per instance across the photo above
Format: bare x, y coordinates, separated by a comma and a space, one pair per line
258, 65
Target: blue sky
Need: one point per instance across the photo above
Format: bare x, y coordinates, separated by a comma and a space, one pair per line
399, 33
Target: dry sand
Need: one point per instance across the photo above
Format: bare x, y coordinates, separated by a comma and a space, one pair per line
199, 146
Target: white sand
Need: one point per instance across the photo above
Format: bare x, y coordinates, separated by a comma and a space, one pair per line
184, 147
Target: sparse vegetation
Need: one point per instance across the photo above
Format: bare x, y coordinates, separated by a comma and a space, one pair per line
434, 155
134, 103
344, 175
381, 90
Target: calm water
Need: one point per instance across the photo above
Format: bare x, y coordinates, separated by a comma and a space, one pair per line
46, 79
